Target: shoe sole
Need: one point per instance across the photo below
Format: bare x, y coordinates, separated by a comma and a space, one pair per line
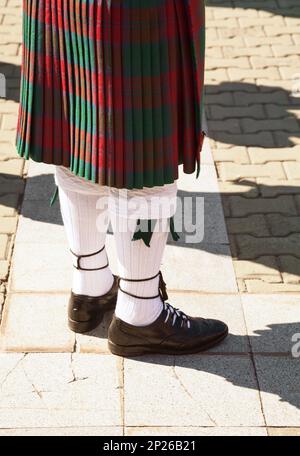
82, 327
129, 352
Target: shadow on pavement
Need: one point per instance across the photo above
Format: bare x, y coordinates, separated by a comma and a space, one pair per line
275, 374
11, 82
279, 235
245, 114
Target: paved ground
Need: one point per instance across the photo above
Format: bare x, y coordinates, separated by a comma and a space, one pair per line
252, 71
52, 382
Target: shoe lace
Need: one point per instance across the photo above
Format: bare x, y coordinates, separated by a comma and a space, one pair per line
176, 313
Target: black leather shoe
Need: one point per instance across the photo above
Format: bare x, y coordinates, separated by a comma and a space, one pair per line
173, 333
85, 313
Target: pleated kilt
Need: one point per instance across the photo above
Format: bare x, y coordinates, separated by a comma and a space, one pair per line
113, 89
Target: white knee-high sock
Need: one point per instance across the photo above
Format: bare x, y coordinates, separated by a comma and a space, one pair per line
86, 228
137, 261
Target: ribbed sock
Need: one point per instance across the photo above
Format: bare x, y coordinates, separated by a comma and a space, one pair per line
81, 219
137, 261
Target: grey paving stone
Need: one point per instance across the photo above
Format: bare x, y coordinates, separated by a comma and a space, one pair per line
200, 219
11, 184
96, 340
193, 430
40, 187
7, 365
36, 323
199, 391
272, 321
278, 379
41, 231
37, 169
9, 204
41, 211
41, 268
208, 269
207, 181
64, 431
206, 154
55, 390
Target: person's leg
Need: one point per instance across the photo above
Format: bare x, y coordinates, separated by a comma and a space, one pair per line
137, 261
85, 216
143, 321
86, 227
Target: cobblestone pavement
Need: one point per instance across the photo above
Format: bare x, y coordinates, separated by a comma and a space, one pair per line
253, 69
53, 382
12, 168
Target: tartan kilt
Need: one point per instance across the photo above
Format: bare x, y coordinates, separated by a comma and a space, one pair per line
113, 89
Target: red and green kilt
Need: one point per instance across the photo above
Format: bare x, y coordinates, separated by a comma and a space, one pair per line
113, 89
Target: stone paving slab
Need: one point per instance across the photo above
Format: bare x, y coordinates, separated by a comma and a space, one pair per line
265, 267
206, 154
206, 183
11, 166
290, 432
104, 431
278, 379
202, 220
253, 120
48, 268
272, 321
260, 286
197, 431
45, 229
40, 183
191, 391
95, 341
36, 323
211, 265
150, 431
57, 390
36, 169
9, 205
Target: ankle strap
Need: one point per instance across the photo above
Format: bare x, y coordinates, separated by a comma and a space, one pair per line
162, 290
79, 258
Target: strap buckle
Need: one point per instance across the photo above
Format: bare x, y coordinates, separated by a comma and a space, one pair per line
162, 289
